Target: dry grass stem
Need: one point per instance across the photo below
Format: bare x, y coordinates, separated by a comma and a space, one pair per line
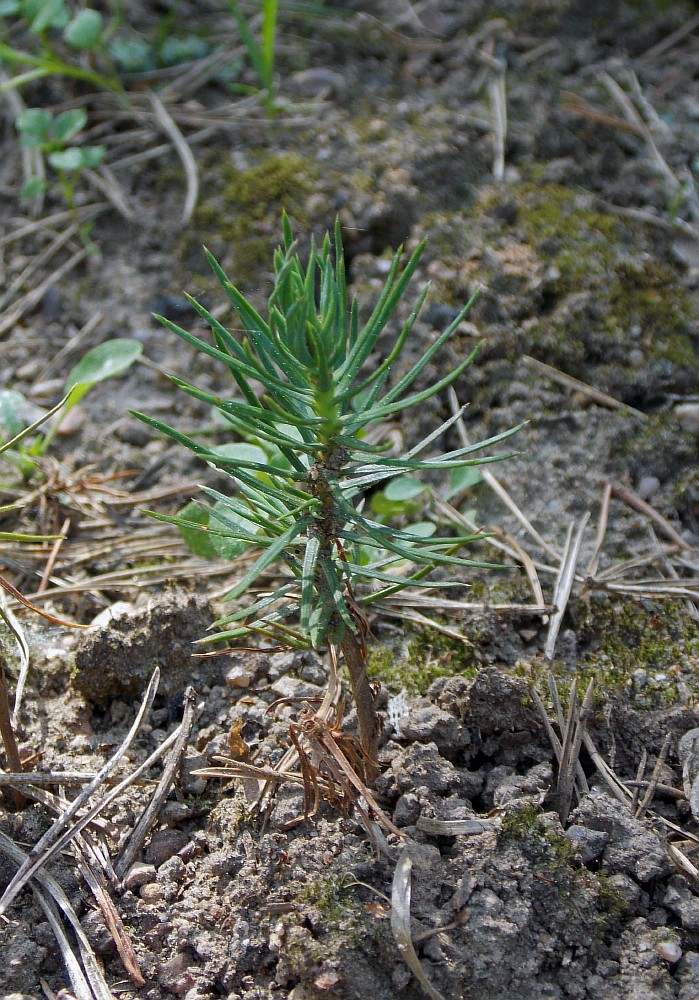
564, 583
150, 814
68, 825
184, 152
602, 398
500, 491
654, 778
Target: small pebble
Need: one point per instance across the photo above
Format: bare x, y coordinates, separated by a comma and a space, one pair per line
152, 892
190, 783
648, 487
669, 951
164, 844
72, 422
687, 416
240, 675
172, 870
139, 874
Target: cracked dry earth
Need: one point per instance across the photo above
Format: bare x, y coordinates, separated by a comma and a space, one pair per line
587, 248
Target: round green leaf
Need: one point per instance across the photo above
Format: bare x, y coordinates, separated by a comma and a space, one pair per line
131, 55
33, 187
243, 451
8, 7
13, 407
404, 488
228, 548
43, 14
463, 479
33, 125
179, 50
93, 155
69, 124
198, 539
423, 529
84, 30
66, 159
110, 358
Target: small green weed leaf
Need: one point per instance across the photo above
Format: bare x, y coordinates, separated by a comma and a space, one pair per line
33, 187
404, 488
464, 479
92, 156
131, 55
178, 50
241, 450
66, 159
85, 30
102, 362
45, 14
68, 124
33, 125
198, 539
12, 409
422, 529
9, 7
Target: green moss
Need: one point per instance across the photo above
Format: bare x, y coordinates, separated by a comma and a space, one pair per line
590, 896
576, 240
238, 216
332, 897
427, 656
634, 301
647, 649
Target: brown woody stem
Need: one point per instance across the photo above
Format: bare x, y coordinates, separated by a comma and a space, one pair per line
14, 762
363, 695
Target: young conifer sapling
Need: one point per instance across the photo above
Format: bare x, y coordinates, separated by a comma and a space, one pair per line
299, 500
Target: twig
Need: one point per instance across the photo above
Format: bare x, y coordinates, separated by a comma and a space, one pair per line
564, 584
630, 498
58, 835
53, 555
572, 743
593, 565
654, 778
150, 814
672, 39
499, 490
603, 398
638, 783
184, 152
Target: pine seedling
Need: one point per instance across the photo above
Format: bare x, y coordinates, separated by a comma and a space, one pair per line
303, 505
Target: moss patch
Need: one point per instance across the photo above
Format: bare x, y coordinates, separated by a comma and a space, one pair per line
239, 216
606, 308
649, 649
426, 657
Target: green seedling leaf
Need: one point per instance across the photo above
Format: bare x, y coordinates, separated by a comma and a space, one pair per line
68, 124
66, 159
92, 156
102, 362
9, 7
223, 519
464, 478
132, 55
241, 450
33, 187
404, 488
198, 539
179, 50
44, 14
33, 125
422, 529
85, 30
13, 407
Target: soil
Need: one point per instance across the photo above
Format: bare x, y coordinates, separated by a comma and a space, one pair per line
584, 239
